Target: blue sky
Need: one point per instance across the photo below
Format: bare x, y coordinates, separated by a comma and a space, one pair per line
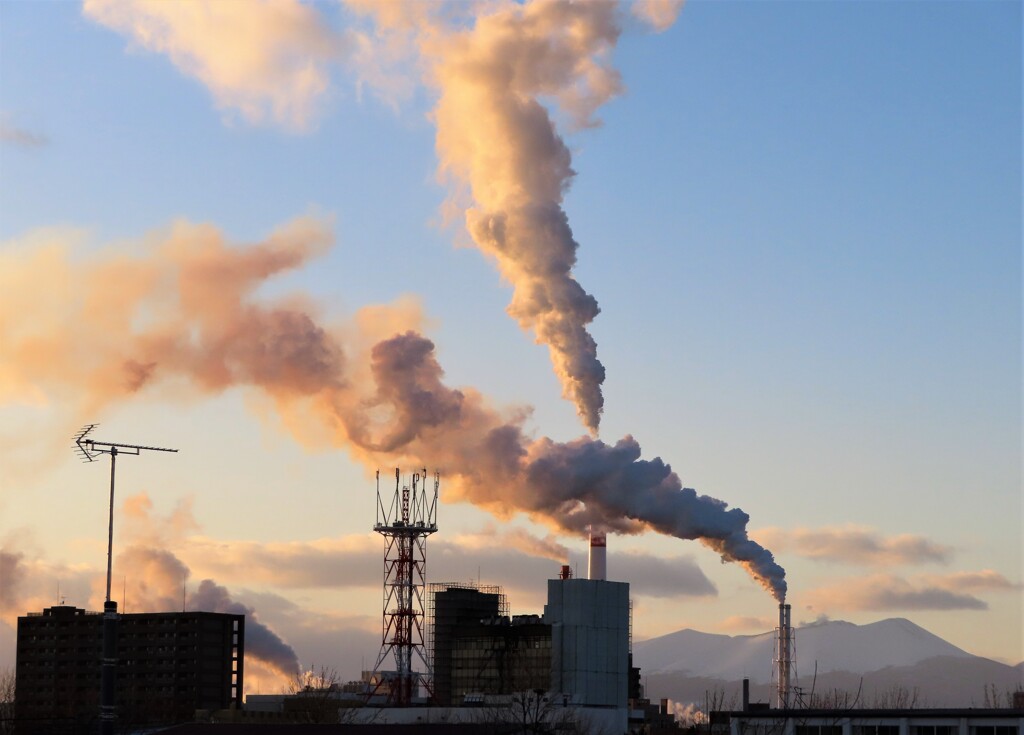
802, 222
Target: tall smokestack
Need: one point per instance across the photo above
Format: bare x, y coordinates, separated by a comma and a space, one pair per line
783, 656
598, 556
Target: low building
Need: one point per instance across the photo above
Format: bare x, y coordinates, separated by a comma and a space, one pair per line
876, 722
169, 665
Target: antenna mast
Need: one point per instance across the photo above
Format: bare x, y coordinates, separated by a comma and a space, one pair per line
405, 525
89, 450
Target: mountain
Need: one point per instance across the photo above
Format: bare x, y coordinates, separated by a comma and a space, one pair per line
834, 645
875, 664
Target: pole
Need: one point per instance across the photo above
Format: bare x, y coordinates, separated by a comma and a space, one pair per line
108, 711
89, 449
110, 527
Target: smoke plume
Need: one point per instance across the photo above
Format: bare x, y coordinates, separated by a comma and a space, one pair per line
503, 73
496, 137
190, 318
260, 641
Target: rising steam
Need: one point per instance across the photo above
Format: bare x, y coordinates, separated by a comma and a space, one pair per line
495, 135
189, 322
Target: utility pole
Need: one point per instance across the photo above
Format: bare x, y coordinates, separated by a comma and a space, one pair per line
88, 450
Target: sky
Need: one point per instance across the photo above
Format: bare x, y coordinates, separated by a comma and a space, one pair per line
576, 258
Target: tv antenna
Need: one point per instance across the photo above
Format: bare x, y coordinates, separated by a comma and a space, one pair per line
89, 450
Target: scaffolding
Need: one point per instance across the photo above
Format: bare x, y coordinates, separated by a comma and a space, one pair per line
451, 605
405, 524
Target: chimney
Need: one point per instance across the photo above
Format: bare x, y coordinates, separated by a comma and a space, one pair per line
598, 555
566, 572
746, 695
783, 656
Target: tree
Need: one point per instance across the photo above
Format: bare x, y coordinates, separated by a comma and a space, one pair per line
314, 697
6, 701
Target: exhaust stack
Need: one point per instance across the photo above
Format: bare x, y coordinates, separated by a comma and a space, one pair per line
598, 556
783, 656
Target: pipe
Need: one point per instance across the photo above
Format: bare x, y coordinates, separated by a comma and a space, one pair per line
598, 568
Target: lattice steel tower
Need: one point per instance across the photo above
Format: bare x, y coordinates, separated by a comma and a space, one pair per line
404, 523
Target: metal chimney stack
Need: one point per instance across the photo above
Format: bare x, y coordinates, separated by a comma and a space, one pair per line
598, 568
783, 656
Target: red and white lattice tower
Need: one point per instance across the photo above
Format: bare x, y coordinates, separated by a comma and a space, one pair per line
404, 523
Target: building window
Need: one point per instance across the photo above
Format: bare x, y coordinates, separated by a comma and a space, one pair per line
876, 730
994, 730
819, 730
934, 730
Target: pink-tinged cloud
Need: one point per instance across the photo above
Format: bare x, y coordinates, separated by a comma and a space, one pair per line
268, 59
659, 14
986, 579
855, 545
21, 137
884, 593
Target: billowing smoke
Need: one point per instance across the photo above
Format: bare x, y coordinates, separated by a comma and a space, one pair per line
195, 325
260, 641
155, 581
490, 462
495, 134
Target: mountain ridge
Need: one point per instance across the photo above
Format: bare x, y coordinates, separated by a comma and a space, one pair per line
827, 646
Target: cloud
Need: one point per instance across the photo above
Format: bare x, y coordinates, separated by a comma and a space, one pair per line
268, 59
659, 14
986, 579
21, 137
141, 524
654, 576
883, 593
30, 583
745, 624
855, 545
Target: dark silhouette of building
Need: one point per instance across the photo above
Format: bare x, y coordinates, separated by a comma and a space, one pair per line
452, 606
501, 656
168, 666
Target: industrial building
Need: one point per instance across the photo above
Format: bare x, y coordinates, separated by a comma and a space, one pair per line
168, 666
589, 621
875, 722
577, 653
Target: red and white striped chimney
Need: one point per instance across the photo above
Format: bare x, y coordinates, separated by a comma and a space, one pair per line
598, 568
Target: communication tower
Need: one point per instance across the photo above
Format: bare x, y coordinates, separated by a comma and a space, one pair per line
404, 522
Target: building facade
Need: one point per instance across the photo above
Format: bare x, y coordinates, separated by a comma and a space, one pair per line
501, 656
169, 665
875, 722
590, 644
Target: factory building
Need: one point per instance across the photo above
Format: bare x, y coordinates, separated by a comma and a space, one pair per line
502, 656
578, 653
589, 621
452, 608
169, 665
